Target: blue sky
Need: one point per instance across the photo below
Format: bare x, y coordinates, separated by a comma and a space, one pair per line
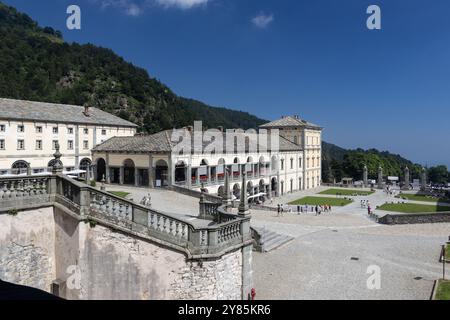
388, 88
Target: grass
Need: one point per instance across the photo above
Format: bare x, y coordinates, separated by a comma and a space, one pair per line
346, 192
447, 253
413, 208
421, 197
321, 201
120, 194
443, 290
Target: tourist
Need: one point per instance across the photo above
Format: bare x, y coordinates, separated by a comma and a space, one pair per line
278, 210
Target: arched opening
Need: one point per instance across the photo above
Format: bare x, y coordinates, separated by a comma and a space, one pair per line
128, 171
250, 188
237, 191
282, 187
20, 167
180, 172
85, 164
274, 163
262, 166
235, 168
161, 174
221, 170
101, 169
221, 191
203, 171
274, 186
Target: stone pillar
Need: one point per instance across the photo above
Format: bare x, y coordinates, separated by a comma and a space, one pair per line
136, 177
189, 176
151, 173
88, 178
243, 205
226, 192
423, 179
247, 271
407, 179
121, 175
107, 173
209, 175
365, 176
380, 178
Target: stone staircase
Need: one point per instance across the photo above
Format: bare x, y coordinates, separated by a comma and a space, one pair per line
266, 240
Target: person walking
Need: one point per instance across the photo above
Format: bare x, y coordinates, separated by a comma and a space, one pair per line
298, 209
278, 210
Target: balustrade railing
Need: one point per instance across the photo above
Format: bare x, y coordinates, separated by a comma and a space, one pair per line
198, 238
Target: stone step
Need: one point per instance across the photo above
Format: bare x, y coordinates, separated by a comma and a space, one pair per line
276, 243
271, 240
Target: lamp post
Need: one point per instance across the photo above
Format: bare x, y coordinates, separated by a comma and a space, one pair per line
443, 262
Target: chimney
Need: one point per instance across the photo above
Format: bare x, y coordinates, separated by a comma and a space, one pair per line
87, 110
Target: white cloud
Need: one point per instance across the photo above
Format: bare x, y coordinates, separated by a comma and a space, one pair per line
262, 20
137, 7
182, 4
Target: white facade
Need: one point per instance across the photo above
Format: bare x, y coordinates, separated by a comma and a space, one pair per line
30, 143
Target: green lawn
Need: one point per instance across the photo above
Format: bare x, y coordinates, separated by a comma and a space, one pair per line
413, 208
346, 192
120, 194
321, 201
443, 290
421, 197
447, 253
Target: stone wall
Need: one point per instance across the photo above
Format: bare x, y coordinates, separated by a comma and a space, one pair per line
38, 247
415, 218
27, 248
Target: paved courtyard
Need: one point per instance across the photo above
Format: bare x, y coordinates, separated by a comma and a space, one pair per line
331, 253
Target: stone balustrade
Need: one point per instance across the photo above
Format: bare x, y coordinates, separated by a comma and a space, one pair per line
195, 237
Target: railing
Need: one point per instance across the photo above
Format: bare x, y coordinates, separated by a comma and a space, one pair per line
194, 237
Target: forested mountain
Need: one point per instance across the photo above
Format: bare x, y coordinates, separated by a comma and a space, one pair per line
36, 64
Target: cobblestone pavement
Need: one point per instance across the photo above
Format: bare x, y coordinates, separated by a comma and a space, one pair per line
318, 264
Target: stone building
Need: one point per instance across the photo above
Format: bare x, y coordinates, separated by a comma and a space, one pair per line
293, 163
29, 132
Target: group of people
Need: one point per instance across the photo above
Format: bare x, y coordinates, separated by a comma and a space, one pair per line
365, 204
318, 209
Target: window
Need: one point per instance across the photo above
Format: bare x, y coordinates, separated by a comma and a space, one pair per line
299, 162
85, 130
70, 130
20, 144
20, 128
38, 144
2, 128
54, 144
70, 145
38, 129
85, 145
55, 130
103, 132
292, 163
2, 144
282, 164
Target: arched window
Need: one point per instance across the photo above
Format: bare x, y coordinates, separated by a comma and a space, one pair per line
282, 164
85, 164
292, 163
19, 167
